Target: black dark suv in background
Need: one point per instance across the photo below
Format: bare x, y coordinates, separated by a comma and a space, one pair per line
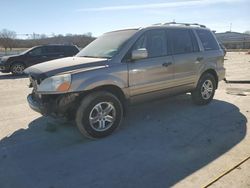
38, 54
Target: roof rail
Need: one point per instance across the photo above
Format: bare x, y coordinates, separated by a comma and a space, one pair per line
185, 24
157, 24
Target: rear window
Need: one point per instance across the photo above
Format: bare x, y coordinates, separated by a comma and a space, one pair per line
207, 39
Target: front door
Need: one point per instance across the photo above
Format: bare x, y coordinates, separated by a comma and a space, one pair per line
154, 73
35, 56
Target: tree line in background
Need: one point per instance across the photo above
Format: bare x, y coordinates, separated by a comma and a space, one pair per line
9, 40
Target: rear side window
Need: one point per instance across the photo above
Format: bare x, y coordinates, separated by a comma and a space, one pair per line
181, 41
71, 50
52, 49
207, 39
194, 41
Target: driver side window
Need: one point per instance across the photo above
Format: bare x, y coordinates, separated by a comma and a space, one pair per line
154, 42
141, 43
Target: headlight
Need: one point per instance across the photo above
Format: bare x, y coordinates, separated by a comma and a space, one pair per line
60, 83
3, 59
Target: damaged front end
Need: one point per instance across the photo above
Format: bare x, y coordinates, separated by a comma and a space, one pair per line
58, 105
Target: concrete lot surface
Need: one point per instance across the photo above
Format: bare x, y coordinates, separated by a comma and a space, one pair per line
160, 144
237, 64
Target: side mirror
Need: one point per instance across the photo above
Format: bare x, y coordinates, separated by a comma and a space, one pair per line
141, 53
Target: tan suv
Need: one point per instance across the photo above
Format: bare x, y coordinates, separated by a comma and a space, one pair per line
124, 67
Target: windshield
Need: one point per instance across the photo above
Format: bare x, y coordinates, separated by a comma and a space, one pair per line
107, 45
26, 51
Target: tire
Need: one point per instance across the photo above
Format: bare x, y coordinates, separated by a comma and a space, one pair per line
205, 90
17, 69
104, 109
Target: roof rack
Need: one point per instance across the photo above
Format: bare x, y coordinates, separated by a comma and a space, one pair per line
185, 24
157, 24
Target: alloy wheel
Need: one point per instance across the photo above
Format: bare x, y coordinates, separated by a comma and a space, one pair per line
207, 89
102, 116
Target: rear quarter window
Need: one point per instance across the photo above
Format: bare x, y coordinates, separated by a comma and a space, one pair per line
70, 50
207, 39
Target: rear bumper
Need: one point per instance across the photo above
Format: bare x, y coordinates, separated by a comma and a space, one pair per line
221, 73
34, 105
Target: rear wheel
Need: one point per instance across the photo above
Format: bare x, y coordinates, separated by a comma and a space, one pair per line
17, 68
205, 90
99, 114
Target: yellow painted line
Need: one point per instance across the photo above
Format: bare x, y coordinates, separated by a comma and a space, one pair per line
225, 173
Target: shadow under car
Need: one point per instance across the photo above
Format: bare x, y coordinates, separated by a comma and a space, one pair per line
158, 144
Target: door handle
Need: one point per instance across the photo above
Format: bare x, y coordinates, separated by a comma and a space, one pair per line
44, 56
166, 64
199, 58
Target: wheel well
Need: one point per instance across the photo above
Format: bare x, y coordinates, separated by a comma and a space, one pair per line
213, 72
17, 62
115, 90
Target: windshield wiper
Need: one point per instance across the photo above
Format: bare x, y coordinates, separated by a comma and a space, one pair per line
95, 57
89, 56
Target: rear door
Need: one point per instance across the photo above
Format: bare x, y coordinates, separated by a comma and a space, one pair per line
154, 73
54, 52
186, 54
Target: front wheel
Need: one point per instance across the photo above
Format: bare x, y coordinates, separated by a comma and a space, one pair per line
205, 90
99, 114
17, 69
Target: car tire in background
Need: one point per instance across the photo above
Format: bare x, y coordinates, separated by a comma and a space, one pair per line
17, 69
99, 114
205, 90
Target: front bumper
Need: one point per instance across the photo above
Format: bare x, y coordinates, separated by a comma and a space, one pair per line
4, 68
35, 105
53, 105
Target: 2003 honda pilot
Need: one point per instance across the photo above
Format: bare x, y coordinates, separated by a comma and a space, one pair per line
124, 67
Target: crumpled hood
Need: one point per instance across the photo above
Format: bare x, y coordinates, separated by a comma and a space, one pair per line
68, 64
